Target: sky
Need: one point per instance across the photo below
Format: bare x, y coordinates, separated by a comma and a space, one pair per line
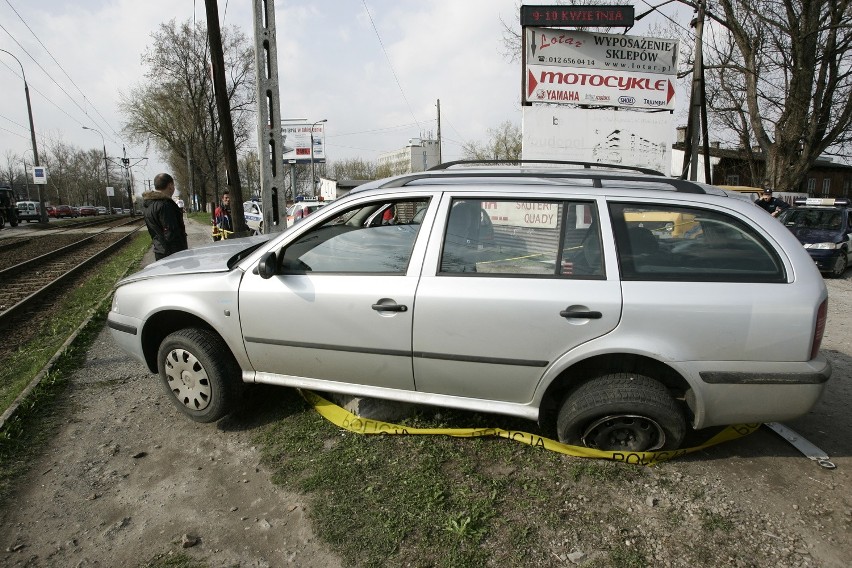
374, 69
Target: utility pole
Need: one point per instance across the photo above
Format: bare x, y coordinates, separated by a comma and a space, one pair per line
226, 125
696, 99
270, 142
439, 132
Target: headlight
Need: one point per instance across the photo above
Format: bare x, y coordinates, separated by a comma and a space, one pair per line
823, 246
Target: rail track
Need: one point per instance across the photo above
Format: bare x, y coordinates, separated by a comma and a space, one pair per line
30, 289
16, 249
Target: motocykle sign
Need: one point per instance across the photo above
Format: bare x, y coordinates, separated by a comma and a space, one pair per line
598, 87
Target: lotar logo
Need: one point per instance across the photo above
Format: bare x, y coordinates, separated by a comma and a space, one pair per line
627, 100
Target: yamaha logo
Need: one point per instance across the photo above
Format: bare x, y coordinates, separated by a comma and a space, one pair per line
626, 100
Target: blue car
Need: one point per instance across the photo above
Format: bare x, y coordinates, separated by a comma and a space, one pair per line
823, 228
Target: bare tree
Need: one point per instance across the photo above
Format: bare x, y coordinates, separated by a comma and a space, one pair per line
354, 168
176, 106
504, 143
780, 74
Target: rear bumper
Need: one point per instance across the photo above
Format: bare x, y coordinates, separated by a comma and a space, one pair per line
743, 392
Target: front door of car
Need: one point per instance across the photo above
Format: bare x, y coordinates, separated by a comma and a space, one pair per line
508, 287
341, 307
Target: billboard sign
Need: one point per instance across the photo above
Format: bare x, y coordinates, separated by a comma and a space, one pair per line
297, 142
574, 48
598, 87
610, 136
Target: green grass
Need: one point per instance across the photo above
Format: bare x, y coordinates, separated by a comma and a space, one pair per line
25, 433
201, 216
433, 500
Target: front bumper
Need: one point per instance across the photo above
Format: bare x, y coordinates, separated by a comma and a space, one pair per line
126, 331
825, 259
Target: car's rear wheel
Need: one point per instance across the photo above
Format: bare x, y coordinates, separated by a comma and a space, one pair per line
621, 412
840, 264
199, 374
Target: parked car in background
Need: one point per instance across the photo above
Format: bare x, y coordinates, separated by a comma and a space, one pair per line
65, 211
28, 211
88, 211
51, 211
302, 209
824, 227
102, 210
253, 216
564, 308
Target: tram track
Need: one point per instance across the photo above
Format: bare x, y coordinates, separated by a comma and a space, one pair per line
31, 289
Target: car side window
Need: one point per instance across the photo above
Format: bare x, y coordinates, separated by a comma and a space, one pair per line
660, 242
522, 239
356, 242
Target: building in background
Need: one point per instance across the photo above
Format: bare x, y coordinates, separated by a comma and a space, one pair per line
418, 155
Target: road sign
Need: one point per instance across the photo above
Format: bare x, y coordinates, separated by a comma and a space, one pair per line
40, 175
110, 192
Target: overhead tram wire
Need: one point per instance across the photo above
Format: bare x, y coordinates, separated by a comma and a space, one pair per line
398, 84
52, 79
85, 98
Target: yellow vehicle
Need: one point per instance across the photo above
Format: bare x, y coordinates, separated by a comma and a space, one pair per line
663, 224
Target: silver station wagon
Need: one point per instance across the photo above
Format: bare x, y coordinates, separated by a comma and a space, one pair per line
616, 306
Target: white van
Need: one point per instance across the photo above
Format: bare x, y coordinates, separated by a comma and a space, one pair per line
28, 211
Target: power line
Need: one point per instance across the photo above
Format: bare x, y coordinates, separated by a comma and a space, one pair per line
398, 84
61, 68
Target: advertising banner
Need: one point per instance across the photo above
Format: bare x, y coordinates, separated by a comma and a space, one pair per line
610, 136
573, 48
598, 87
297, 142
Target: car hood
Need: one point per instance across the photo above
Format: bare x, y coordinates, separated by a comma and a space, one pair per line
214, 257
807, 235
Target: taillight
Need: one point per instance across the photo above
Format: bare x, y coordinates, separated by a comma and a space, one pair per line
819, 328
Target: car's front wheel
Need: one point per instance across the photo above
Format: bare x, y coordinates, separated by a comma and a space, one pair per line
621, 412
840, 264
199, 374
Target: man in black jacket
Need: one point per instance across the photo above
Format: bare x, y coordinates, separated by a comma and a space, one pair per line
164, 218
771, 205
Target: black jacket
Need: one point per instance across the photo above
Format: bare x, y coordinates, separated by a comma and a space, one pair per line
165, 223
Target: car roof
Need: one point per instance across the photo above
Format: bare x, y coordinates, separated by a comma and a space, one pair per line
543, 172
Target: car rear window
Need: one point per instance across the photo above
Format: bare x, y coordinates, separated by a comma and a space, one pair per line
661, 242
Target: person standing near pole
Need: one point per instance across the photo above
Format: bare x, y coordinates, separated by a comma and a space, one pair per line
164, 218
222, 217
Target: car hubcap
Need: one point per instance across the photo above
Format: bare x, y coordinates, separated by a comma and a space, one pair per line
187, 379
625, 432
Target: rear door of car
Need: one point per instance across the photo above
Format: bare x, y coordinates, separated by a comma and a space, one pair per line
509, 285
342, 309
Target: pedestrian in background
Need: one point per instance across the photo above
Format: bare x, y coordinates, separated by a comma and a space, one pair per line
222, 217
164, 218
771, 205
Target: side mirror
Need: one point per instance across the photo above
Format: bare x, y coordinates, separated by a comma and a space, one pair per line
268, 265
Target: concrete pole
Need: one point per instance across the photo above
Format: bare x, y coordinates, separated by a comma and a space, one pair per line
270, 143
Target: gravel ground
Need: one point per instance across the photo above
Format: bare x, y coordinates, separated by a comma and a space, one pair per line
128, 478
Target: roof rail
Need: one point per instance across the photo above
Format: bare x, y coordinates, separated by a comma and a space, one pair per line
586, 165
679, 185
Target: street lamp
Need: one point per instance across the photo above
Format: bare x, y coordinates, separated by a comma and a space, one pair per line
313, 177
106, 164
43, 214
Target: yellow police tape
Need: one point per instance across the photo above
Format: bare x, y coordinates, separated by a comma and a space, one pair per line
349, 421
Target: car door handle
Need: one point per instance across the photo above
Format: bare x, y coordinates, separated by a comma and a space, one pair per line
390, 308
581, 315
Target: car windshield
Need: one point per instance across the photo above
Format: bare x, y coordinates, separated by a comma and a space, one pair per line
827, 219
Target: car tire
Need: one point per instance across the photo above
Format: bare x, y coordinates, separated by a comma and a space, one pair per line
199, 373
840, 265
621, 412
